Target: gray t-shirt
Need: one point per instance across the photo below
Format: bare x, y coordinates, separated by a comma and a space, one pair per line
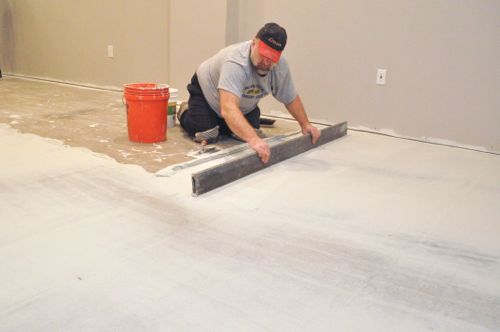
231, 69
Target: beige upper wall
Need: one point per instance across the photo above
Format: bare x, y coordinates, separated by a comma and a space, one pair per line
5, 33
67, 40
442, 59
197, 31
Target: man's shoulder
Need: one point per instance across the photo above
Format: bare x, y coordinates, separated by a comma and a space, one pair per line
281, 69
238, 59
282, 65
238, 53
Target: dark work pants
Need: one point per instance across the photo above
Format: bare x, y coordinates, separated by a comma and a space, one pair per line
200, 116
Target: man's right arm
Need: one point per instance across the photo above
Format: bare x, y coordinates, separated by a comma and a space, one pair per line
239, 125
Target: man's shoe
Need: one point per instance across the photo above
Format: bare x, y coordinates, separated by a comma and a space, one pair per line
182, 108
207, 136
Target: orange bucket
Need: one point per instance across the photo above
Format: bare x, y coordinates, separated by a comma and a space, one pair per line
147, 105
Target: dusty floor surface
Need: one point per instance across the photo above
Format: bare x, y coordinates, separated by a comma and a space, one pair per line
96, 119
366, 233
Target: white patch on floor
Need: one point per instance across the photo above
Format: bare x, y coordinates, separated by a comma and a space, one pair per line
364, 233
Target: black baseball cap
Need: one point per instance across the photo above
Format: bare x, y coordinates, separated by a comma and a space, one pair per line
272, 41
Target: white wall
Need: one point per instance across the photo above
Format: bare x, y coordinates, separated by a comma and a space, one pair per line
197, 31
442, 57
5, 34
67, 40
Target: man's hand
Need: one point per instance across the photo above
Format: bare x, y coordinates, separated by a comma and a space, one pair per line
315, 133
239, 125
262, 149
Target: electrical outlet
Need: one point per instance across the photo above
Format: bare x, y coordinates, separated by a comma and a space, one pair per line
381, 74
110, 51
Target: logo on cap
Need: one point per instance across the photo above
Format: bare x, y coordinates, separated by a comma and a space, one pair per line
275, 42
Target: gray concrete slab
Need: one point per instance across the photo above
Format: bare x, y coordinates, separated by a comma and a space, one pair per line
364, 233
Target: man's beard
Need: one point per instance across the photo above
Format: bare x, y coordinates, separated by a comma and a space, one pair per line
262, 72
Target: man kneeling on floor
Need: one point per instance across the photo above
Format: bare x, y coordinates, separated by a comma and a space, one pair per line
225, 91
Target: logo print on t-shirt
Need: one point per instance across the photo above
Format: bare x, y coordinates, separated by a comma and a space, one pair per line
253, 91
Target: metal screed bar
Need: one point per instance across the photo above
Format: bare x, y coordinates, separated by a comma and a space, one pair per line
220, 175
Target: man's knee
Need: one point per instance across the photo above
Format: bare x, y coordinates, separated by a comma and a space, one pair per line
194, 121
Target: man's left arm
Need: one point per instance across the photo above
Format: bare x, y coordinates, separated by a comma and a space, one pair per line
296, 109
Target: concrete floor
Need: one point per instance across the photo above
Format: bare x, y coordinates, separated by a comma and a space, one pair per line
367, 233
97, 120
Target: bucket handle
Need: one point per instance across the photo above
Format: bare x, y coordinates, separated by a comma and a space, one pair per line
124, 102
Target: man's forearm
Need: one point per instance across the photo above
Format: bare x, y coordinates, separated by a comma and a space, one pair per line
296, 109
238, 123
